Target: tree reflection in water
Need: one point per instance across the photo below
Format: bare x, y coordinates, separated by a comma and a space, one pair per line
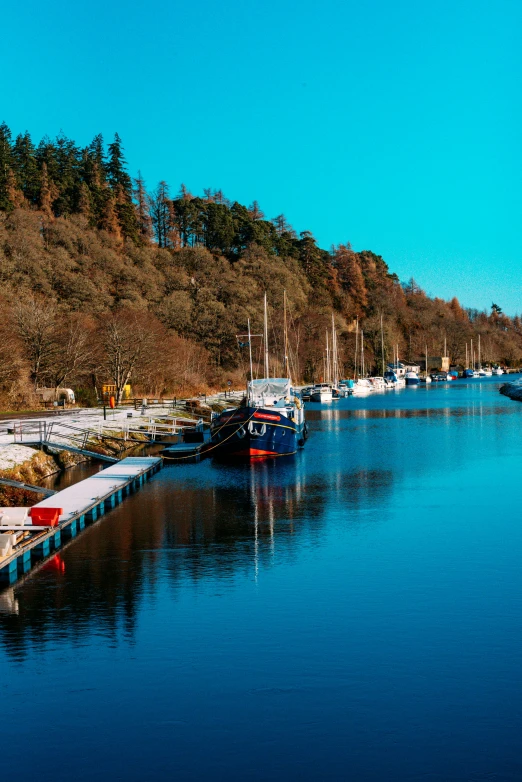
188, 523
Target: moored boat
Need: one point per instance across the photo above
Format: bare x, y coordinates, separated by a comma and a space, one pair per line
270, 422
362, 387
412, 379
378, 383
345, 387
321, 392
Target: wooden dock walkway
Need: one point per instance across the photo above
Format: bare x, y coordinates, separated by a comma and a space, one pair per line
81, 504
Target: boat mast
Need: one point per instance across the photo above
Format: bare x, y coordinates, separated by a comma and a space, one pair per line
250, 352
356, 348
467, 360
327, 373
362, 353
382, 347
285, 336
266, 340
472, 357
479, 361
335, 371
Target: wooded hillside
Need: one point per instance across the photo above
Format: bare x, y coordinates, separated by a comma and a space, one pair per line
103, 279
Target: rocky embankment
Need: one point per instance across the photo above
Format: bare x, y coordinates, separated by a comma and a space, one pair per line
20, 463
513, 390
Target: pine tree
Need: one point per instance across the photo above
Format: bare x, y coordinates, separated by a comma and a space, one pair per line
109, 220
185, 220
311, 258
96, 152
184, 193
160, 213
282, 225
142, 208
25, 167
48, 193
14, 195
67, 176
84, 203
116, 168
121, 185
220, 198
126, 214
255, 211
5, 166
93, 181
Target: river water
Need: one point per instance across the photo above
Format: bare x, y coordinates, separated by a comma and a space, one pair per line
354, 612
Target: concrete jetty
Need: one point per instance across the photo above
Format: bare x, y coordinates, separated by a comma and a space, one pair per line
80, 505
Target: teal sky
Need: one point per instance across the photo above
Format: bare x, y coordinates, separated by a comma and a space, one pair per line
393, 125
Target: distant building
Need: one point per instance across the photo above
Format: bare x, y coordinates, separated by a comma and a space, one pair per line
401, 368
436, 364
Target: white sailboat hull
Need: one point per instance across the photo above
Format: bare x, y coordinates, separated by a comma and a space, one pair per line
321, 396
362, 388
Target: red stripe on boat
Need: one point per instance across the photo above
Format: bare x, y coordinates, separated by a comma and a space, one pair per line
255, 452
267, 416
235, 417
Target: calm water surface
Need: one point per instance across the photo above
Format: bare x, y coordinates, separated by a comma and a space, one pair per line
352, 613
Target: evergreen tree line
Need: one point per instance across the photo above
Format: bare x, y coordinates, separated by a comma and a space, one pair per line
61, 179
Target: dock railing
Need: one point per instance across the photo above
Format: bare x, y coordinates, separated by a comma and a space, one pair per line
54, 433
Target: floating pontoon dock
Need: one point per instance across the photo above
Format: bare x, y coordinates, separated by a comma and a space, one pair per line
81, 504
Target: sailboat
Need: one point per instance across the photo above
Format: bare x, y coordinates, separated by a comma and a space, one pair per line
482, 372
269, 422
394, 374
362, 385
340, 389
322, 392
377, 381
468, 372
473, 363
427, 378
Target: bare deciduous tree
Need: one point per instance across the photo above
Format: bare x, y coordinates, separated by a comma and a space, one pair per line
75, 348
35, 319
130, 340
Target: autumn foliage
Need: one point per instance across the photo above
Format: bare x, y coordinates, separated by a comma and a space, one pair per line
103, 279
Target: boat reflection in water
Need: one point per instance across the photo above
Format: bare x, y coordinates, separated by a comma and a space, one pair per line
193, 522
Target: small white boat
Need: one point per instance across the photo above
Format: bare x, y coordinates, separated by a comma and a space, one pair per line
340, 391
345, 388
321, 392
412, 379
378, 383
497, 371
362, 387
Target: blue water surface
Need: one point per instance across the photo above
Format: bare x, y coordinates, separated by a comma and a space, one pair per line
354, 612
